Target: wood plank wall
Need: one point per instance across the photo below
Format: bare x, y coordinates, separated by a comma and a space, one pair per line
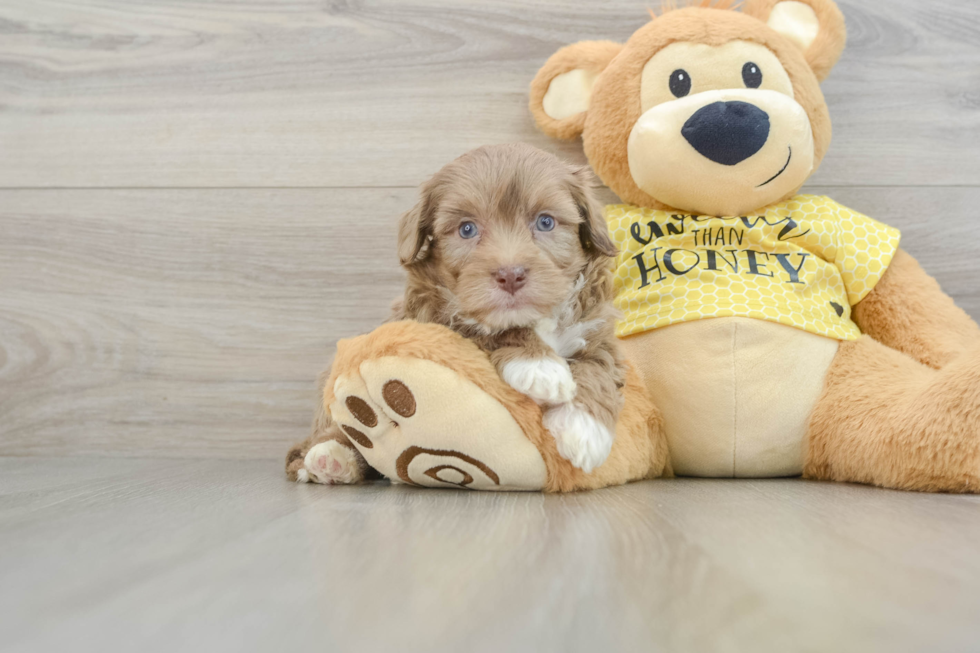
197, 199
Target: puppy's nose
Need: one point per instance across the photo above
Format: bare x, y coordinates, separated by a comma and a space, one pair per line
727, 132
511, 279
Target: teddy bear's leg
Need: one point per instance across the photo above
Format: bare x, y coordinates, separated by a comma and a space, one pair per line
889, 420
901, 406
425, 406
409, 398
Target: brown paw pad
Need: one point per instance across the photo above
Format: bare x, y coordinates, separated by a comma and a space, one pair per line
399, 398
357, 436
361, 411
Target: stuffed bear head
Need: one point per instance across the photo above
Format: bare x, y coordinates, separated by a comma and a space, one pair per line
705, 109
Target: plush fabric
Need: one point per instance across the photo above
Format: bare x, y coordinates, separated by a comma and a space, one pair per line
736, 394
893, 399
796, 21
569, 93
825, 49
606, 127
901, 407
394, 409
909, 312
591, 57
888, 420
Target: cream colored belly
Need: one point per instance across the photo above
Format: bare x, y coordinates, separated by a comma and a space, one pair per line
736, 393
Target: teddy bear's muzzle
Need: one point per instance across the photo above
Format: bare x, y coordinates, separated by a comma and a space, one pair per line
722, 152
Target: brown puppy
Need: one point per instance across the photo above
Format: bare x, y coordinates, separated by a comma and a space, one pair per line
508, 247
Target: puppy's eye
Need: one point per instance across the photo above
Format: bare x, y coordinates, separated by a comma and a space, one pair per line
752, 75
544, 222
680, 83
468, 230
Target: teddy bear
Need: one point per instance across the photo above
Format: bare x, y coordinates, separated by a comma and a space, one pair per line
779, 334
769, 333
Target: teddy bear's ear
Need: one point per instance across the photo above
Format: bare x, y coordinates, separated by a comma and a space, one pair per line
816, 26
562, 89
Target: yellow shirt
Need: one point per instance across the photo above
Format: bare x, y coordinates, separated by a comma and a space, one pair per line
804, 263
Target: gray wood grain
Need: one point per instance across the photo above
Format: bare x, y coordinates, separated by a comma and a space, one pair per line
194, 323
238, 166
310, 93
211, 312
156, 555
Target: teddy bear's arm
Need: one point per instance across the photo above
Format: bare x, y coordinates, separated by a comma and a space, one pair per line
908, 311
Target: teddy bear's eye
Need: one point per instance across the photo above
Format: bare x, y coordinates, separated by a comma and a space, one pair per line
680, 83
752, 75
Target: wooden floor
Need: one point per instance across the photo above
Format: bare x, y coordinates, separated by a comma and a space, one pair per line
157, 555
198, 199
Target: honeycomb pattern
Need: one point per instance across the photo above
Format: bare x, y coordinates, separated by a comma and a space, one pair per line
804, 263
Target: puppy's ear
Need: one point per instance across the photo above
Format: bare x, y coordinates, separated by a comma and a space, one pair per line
593, 232
415, 230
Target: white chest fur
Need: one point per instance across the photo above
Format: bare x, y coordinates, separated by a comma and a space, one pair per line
562, 332
566, 341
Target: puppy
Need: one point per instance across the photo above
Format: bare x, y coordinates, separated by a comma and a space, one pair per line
508, 247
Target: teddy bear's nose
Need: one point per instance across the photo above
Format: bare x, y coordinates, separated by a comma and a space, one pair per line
727, 132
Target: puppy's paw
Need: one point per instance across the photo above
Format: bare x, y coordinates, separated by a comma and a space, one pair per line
545, 380
330, 463
582, 439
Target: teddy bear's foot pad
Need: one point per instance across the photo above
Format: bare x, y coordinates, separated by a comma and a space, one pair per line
418, 422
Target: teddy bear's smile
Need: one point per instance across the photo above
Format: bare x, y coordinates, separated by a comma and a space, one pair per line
781, 171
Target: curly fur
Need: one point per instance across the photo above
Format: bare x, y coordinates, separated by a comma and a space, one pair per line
570, 317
